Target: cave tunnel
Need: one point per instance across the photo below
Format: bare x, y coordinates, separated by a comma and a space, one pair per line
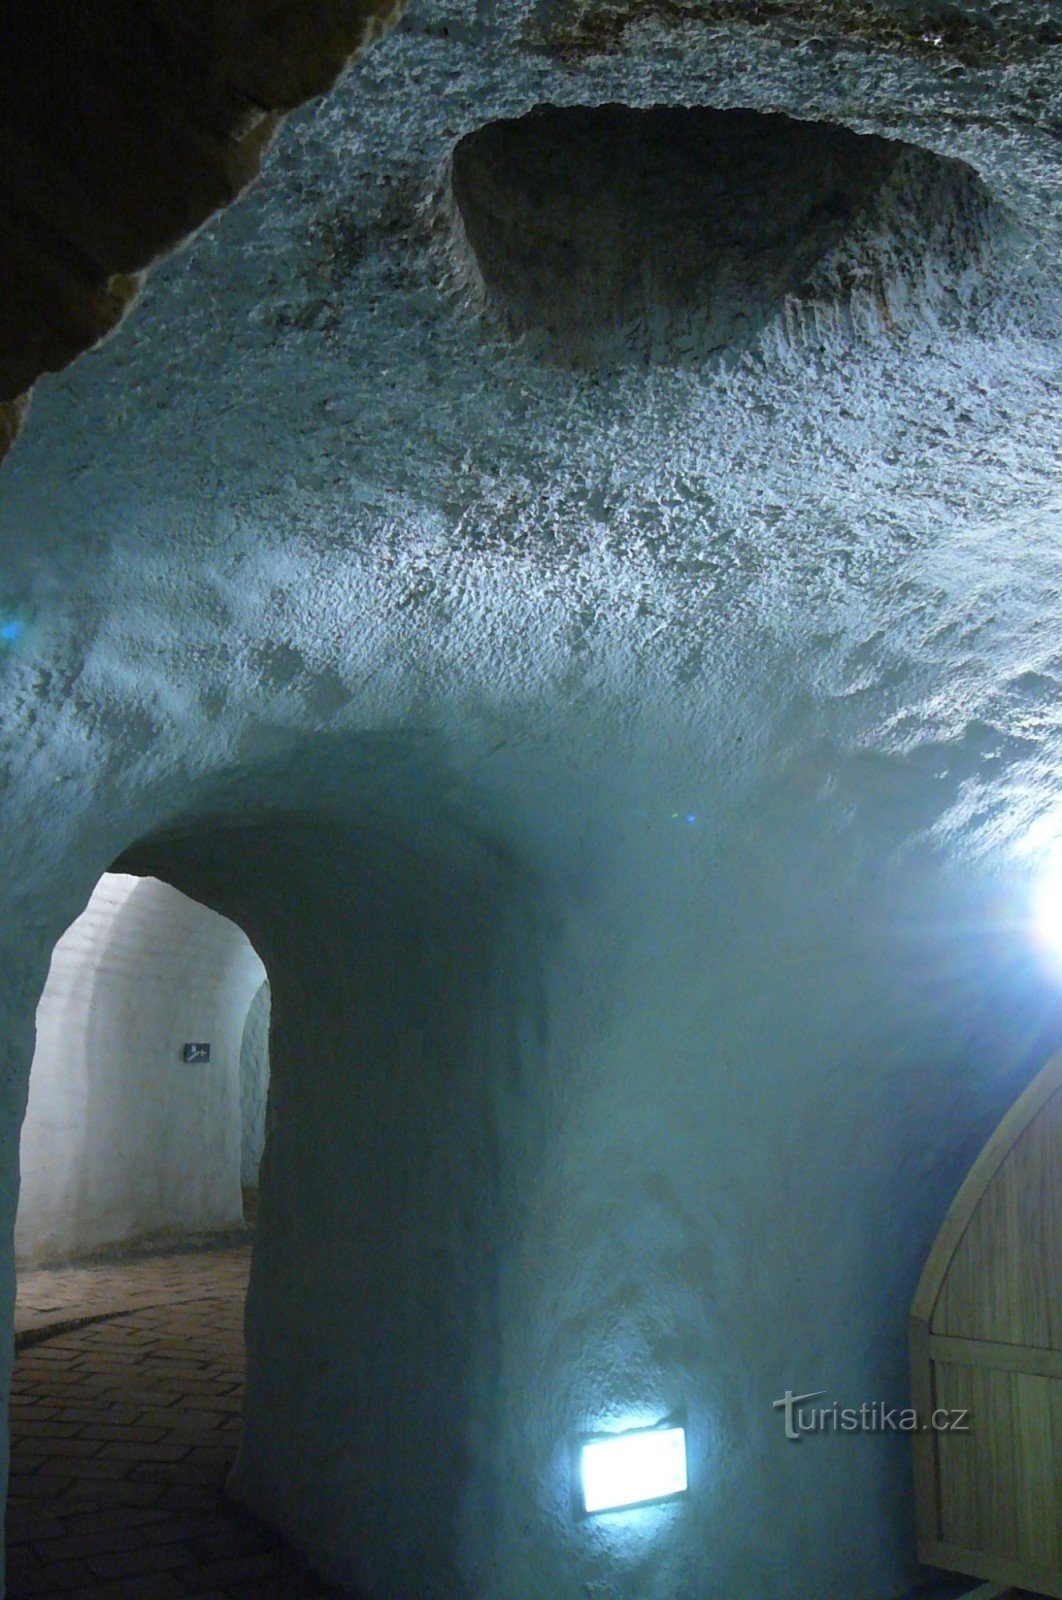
536, 631
120, 1141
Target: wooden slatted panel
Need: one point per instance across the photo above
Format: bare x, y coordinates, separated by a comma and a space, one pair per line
986, 1336
999, 1483
1005, 1278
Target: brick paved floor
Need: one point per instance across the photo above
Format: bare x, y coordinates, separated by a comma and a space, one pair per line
123, 1431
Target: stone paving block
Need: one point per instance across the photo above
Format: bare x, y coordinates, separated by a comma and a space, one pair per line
124, 1432
60, 1446
44, 1488
155, 1586
37, 1427
142, 1450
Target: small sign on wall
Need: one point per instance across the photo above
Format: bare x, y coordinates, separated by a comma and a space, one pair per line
196, 1052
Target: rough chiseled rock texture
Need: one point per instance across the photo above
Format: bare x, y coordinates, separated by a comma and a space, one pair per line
121, 131
631, 773
602, 235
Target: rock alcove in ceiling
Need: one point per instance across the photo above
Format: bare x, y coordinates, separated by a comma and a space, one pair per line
610, 233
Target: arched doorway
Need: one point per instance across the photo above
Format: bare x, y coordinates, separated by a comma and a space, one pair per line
133, 1127
403, 940
140, 1152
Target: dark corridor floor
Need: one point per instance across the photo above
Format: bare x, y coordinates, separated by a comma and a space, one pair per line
123, 1431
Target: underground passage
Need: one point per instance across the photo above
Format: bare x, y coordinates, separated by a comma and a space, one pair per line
531, 772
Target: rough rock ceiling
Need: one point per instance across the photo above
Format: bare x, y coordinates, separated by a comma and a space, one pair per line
606, 236
312, 485
121, 130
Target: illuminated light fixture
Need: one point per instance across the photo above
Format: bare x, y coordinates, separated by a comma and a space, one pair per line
621, 1470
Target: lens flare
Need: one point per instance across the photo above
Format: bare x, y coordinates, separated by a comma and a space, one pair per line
1047, 910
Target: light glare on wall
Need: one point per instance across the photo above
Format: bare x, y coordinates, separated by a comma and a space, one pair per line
629, 1469
1048, 910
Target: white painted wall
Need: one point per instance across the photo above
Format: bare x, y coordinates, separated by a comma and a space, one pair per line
122, 1139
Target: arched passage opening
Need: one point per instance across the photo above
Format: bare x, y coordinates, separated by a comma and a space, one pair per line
139, 1153
402, 939
402, 944
135, 1125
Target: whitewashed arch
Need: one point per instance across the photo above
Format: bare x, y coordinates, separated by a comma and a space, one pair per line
122, 1138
